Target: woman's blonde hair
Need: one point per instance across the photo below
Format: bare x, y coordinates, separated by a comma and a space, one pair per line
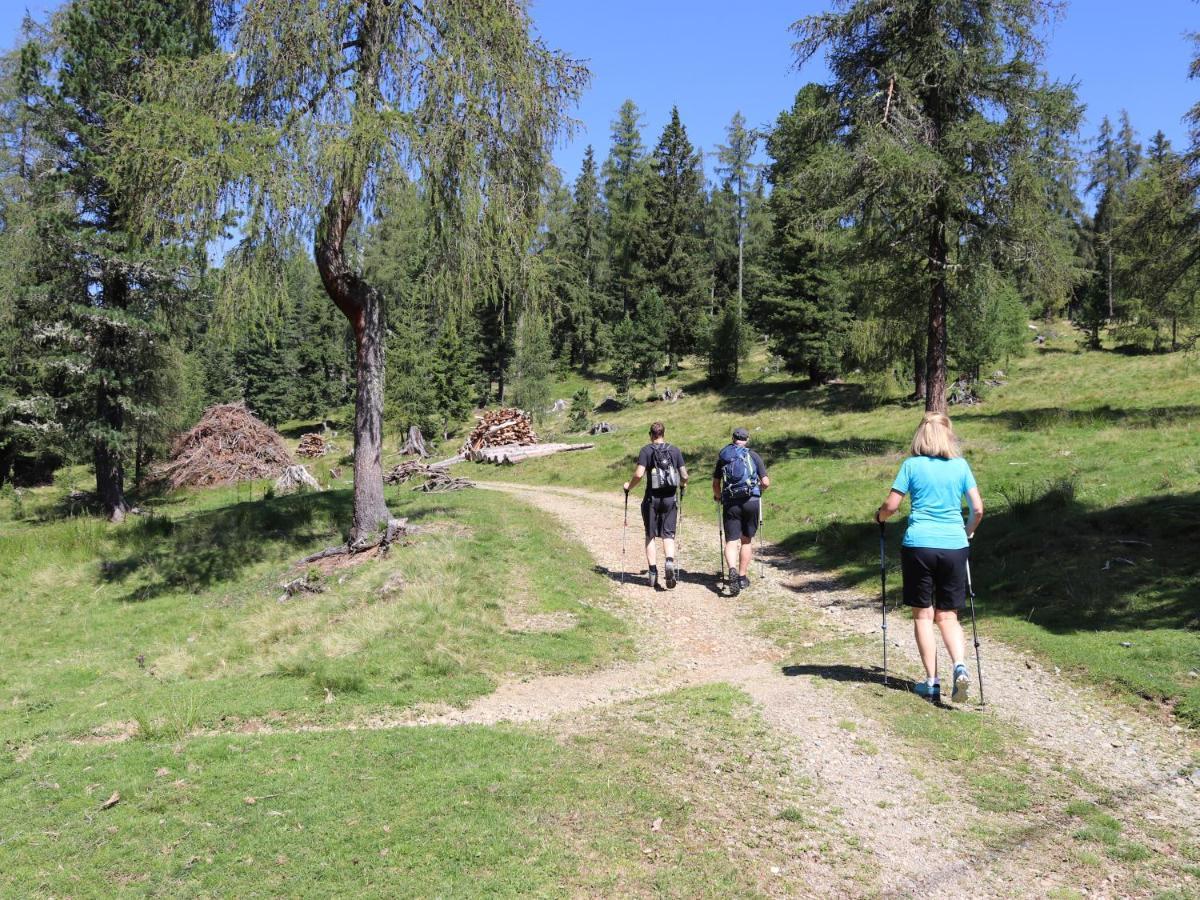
935, 437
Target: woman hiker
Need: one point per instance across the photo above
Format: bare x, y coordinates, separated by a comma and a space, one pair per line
933, 556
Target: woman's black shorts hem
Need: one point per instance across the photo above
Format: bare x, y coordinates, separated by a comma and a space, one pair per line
934, 577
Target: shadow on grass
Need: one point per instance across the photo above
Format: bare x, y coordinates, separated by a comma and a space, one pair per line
1056, 562
1051, 416
806, 446
216, 546
754, 397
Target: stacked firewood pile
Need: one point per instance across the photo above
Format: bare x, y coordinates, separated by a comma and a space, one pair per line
436, 478
500, 428
314, 446
227, 445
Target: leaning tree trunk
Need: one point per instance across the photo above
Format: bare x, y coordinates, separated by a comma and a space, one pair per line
361, 303
935, 350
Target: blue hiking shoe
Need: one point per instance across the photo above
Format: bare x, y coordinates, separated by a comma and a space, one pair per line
932, 693
962, 681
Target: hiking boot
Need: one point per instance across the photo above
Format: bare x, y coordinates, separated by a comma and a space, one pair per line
930, 692
743, 581
671, 575
734, 581
962, 681
653, 576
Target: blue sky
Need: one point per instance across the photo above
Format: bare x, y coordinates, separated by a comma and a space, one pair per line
714, 57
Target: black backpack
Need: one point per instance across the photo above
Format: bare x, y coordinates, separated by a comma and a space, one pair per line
663, 473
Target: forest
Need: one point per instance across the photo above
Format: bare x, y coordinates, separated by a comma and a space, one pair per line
209, 202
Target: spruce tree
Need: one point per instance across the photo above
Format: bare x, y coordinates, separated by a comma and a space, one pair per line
109, 297
672, 237
736, 163
532, 365
804, 309
938, 98
625, 174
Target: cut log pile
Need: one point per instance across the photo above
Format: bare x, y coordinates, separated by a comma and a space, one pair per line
507, 456
314, 446
500, 428
227, 445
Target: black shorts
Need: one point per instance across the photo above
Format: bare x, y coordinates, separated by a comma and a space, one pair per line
741, 519
659, 515
931, 574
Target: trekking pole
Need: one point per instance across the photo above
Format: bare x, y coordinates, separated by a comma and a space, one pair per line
679, 531
761, 518
624, 537
721, 538
975, 633
883, 597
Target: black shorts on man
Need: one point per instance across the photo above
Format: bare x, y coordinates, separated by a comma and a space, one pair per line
933, 576
741, 519
660, 516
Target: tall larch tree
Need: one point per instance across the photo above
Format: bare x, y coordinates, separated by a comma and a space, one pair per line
939, 98
309, 109
735, 161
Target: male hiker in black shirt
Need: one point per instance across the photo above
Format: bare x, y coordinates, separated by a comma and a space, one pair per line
739, 479
660, 507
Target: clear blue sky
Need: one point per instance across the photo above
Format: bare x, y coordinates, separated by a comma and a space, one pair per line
713, 57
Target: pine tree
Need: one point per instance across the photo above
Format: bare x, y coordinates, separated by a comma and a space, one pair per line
938, 98
625, 174
584, 309
672, 237
455, 376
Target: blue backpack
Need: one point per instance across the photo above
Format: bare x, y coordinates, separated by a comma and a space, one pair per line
739, 477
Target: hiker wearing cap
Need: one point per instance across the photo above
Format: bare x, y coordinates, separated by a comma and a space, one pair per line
934, 553
739, 479
668, 477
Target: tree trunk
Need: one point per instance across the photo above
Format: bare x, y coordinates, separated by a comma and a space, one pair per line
935, 350
106, 452
1174, 333
1111, 308
359, 301
918, 373
741, 246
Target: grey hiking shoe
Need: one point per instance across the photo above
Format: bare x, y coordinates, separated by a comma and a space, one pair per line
653, 577
962, 681
744, 581
672, 577
734, 581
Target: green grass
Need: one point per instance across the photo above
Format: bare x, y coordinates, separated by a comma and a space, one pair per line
1089, 464
175, 620
471, 811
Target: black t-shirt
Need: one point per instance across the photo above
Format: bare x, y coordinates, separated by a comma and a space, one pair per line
759, 468
646, 460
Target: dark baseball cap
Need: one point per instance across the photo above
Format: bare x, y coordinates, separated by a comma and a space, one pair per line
741, 434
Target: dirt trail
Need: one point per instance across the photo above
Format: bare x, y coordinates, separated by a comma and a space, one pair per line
905, 842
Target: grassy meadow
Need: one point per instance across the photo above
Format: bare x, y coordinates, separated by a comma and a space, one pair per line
1089, 465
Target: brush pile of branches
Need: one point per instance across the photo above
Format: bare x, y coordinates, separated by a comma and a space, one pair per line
228, 445
436, 478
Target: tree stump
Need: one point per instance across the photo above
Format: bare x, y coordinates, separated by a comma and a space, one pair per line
415, 444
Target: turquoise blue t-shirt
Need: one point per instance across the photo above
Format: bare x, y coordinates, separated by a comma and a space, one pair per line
936, 487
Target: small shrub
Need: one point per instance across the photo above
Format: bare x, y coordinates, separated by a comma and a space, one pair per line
581, 410
1034, 498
